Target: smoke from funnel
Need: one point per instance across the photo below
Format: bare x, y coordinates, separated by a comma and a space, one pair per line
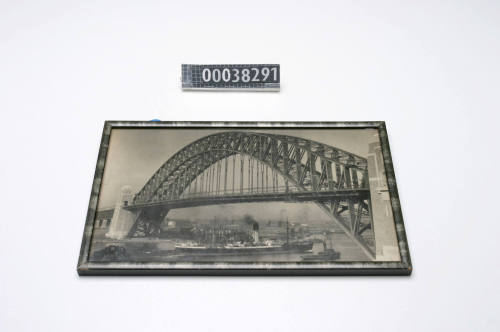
249, 220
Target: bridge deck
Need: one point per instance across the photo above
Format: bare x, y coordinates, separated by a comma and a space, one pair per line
193, 200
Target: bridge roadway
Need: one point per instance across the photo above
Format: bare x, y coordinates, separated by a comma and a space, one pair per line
231, 198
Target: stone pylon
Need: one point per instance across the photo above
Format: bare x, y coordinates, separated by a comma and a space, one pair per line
122, 219
383, 222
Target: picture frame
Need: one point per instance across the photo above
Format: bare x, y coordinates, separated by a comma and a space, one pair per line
213, 247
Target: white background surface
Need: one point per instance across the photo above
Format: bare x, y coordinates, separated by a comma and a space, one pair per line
429, 69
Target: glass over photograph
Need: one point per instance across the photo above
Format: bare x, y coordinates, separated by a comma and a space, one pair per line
187, 195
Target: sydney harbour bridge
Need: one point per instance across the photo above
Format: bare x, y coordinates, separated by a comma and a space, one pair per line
241, 167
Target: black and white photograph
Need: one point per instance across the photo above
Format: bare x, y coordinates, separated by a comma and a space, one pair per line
249, 166
268, 197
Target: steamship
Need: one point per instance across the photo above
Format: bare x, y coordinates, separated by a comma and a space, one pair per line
232, 249
255, 248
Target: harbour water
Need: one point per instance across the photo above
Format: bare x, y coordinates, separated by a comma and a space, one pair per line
229, 243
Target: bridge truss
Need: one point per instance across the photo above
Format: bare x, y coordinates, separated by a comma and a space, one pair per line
239, 166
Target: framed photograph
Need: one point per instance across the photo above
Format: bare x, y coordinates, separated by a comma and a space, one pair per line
244, 198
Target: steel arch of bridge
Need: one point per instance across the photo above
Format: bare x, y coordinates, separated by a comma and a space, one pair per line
336, 180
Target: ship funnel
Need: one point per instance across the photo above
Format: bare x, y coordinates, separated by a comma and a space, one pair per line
255, 234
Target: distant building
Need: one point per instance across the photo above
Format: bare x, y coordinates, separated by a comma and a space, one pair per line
103, 218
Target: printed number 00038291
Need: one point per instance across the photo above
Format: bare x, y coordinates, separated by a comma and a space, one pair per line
236, 75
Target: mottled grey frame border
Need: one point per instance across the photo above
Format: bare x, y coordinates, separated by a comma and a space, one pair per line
403, 267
